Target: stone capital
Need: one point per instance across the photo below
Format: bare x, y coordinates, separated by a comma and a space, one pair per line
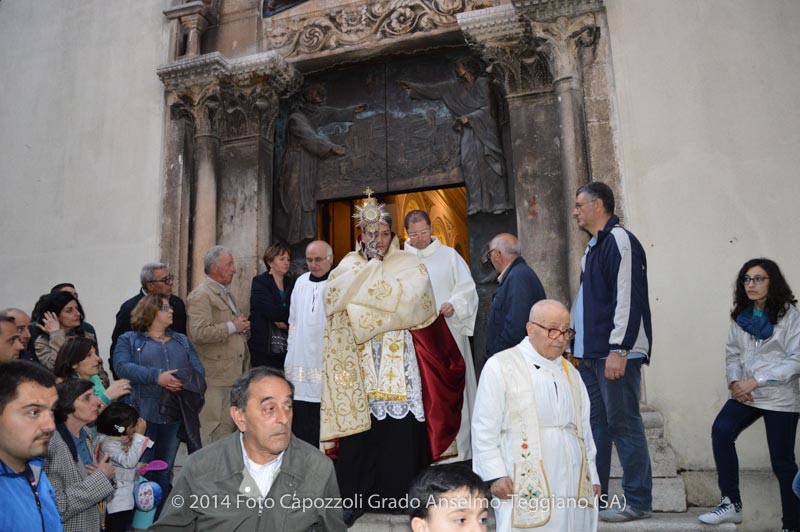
229, 98
560, 42
505, 41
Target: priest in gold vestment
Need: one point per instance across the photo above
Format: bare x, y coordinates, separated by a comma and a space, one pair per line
373, 417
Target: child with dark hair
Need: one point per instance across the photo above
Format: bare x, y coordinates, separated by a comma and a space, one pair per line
120, 435
448, 497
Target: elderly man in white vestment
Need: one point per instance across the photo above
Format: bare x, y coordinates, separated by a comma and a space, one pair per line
457, 300
303, 366
531, 434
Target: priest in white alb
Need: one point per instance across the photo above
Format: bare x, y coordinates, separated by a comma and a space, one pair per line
303, 365
456, 300
531, 435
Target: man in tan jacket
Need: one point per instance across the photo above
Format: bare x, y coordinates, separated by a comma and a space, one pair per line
217, 329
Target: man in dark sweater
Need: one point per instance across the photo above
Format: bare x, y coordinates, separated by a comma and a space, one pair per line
156, 279
519, 289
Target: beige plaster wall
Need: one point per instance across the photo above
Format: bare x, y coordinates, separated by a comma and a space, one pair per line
81, 112
709, 129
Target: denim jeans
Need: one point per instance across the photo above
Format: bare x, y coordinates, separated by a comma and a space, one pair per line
165, 447
615, 417
796, 484
781, 428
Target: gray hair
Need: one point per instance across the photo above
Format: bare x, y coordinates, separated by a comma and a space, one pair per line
507, 247
148, 275
7, 312
328, 248
597, 190
240, 392
213, 255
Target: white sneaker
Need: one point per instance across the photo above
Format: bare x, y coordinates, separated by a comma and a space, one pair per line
725, 512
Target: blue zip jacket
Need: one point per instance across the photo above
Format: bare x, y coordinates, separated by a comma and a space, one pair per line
21, 510
145, 393
616, 306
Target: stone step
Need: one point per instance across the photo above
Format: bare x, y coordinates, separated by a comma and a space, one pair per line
659, 522
669, 494
653, 423
662, 459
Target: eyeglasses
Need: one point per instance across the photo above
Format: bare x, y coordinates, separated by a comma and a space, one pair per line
579, 206
315, 260
569, 334
166, 308
165, 280
415, 234
758, 279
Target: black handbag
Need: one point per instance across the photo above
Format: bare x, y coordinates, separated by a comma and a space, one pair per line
278, 338
278, 344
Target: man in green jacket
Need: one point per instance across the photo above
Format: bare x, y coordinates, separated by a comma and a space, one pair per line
260, 477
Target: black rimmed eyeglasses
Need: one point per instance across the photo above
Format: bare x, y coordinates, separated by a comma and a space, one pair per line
553, 334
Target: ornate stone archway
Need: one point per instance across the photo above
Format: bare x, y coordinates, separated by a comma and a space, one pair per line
541, 55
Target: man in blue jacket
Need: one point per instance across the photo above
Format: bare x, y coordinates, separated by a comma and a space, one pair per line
519, 289
27, 397
611, 317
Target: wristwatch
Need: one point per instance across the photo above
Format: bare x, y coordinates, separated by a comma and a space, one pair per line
621, 352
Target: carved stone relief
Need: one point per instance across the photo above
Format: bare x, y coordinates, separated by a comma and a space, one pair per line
468, 97
361, 22
397, 143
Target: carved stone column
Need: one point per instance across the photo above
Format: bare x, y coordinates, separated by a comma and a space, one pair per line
532, 61
207, 118
560, 43
191, 18
226, 103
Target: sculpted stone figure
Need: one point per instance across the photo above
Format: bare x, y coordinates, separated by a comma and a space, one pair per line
468, 97
305, 147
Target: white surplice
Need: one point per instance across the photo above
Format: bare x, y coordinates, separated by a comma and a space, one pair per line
306, 332
493, 455
452, 283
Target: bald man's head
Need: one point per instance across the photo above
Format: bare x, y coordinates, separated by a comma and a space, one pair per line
504, 249
549, 318
319, 257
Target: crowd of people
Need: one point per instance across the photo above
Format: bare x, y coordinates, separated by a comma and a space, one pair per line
352, 388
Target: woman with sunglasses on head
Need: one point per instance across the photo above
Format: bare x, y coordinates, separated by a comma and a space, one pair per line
160, 364
762, 366
38, 311
62, 317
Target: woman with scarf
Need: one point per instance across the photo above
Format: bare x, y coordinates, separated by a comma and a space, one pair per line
78, 359
81, 480
763, 363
